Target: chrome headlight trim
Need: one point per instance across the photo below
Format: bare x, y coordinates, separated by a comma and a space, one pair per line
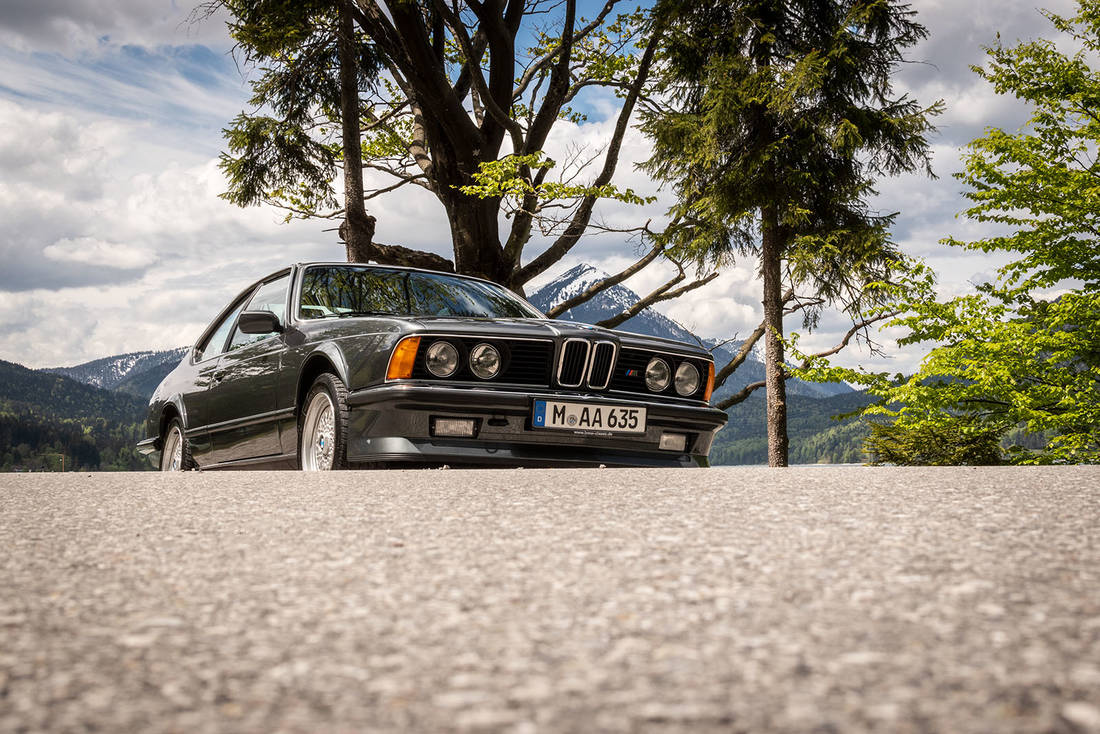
657, 375
485, 361
687, 379
441, 359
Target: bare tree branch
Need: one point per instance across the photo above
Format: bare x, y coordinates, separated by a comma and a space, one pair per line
663, 293
462, 85
856, 328
741, 396
478, 108
480, 86
745, 349
580, 221
403, 38
747, 345
377, 121
387, 189
743, 352
418, 179
539, 65
698, 283
418, 147
537, 133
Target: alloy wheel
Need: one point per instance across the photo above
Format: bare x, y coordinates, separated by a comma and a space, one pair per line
319, 434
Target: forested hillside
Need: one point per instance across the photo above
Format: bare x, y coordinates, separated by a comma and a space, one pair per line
48, 421
816, 436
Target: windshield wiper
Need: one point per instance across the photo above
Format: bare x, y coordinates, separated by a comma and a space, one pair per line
343, 314
348, 314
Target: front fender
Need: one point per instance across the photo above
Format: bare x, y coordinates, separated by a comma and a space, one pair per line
157, 419
361, 360
328, 351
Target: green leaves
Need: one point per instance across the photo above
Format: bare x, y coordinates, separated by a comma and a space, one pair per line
271, 160
511, 177
949, 442
1008, 361
1024, 351
285, 153
1043, 181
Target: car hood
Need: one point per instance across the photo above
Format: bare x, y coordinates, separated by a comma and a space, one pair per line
545, 328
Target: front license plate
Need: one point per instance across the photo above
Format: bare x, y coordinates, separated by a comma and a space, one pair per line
586, 417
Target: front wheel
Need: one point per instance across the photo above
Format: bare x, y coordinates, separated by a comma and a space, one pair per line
176, 455
323, 426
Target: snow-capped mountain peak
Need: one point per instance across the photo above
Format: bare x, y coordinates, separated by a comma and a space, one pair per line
572, 283
604, 305
110, 372
577, 280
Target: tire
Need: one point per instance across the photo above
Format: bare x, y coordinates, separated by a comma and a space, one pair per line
323, 425
176, 455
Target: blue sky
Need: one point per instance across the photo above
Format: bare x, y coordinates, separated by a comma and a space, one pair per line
113, 238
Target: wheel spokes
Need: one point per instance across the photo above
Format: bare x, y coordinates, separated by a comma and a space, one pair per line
319, 434
173, 451
177, 453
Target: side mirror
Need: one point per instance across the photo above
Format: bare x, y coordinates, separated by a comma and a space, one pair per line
258, 322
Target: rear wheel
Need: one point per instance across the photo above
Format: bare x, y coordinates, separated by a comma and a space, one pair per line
323, 425
176, 455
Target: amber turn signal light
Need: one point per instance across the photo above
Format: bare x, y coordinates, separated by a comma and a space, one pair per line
402, 359
710, 382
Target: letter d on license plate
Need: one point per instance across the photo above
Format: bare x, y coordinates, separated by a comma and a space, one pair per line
588, 417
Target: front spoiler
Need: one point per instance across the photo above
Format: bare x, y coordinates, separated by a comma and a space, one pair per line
392, 423
150, 448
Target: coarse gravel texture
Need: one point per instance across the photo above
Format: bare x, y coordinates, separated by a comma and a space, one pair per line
726, 600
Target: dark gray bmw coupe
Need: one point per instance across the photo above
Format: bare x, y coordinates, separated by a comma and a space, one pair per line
336, 365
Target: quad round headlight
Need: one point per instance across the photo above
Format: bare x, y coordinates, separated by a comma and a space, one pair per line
657, 374
687, 379
485, 361
441, 359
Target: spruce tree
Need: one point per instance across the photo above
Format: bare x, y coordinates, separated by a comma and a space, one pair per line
777, 117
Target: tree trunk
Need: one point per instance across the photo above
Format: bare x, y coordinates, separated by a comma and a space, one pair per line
770, 261
475, 232
475, 228
358, 228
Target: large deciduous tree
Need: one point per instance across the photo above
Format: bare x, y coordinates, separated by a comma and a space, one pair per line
1024, 350
775, 119
458, 98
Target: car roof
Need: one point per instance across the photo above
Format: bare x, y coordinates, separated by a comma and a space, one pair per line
304, 265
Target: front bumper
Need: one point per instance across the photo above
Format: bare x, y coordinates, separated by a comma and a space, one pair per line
392, 423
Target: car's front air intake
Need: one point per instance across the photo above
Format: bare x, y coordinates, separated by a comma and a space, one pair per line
603, 360
573, 363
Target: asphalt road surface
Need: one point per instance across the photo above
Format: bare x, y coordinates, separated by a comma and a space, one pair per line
728, 600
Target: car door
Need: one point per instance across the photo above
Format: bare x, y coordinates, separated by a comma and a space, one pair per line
242, 400
205, 357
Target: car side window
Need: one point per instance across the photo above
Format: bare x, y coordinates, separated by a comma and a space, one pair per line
214, 345
270, 296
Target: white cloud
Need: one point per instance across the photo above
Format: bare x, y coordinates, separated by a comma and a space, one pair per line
69, 26
90, 251
114, 242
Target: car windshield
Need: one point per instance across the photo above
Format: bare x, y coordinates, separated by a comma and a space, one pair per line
330, 291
